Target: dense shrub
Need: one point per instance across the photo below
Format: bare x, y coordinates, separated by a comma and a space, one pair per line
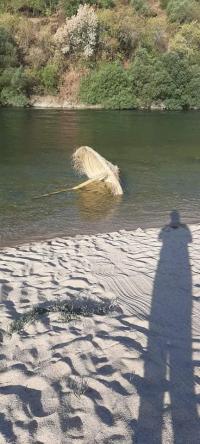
168, 79
178, 77
13, 87
49, 78
142, 7
105, 3
120, 32
193, 87
148, 77
187, 40
8, 49
30, 7
154, 36
9, 22
182, 11
71, 6
34, 84
164, 3
109, 86
12, 79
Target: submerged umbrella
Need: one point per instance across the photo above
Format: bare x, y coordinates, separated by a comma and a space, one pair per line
87, 161
96, 168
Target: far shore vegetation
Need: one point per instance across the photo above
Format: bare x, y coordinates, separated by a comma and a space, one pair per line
121, 54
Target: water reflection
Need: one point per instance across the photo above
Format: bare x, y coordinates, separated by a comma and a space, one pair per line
96, 203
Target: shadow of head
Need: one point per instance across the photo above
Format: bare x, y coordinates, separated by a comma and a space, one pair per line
175, 221
183, 236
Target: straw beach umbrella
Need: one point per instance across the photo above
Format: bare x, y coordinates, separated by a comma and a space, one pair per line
96, 168
87, 161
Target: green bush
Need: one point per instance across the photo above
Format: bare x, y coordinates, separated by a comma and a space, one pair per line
109, 86
49, 76
193, 87
167, 78
178, 77
142, 7
105, 3
30, 7
9, 97
148, 76
164, 3
33, 81
183, 11
8, 49
13, 87
71, 6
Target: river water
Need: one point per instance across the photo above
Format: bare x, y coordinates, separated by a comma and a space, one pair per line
158, 155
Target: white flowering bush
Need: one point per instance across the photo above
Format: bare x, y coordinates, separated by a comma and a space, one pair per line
79, 33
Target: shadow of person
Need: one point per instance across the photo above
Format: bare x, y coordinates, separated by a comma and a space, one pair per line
168, 363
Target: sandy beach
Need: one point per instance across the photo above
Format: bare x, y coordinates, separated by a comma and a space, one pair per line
125, 373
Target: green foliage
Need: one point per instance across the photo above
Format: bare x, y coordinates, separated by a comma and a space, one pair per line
12, 78
119, 33
178, 77
105, 3
147, 75
161, 53
183, 11
33, 81
109, 86
164, 3
49, 78
11, 98
13, 87
187, 40
193, 87
168, 79
8, 49
30, 7
71, 6
142, 7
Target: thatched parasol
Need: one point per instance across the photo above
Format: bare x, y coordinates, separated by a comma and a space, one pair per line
87, 161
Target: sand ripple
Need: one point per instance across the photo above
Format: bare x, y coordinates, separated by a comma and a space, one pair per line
129, 376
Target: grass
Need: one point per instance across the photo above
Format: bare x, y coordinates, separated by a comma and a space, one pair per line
78, 386
68, 310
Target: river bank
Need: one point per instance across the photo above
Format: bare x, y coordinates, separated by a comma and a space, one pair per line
116, 371
57, 102
135, 55
43, 102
